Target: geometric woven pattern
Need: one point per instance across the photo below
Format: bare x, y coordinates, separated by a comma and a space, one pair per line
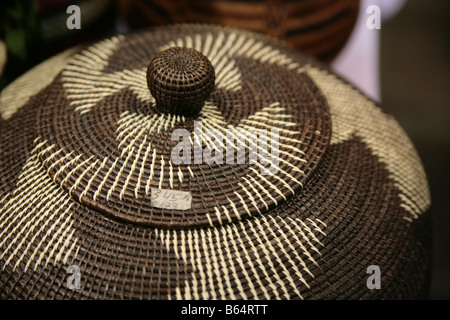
353, 114
109, 103
82, 156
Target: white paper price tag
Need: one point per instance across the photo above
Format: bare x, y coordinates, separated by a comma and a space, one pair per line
171, 199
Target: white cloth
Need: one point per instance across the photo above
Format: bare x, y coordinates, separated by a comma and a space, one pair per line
358, 62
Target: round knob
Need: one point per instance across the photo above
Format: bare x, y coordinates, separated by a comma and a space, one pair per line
180, 80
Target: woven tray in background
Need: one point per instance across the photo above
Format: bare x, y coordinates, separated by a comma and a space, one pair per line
318, 27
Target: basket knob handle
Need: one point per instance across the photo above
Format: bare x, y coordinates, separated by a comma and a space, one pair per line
180, 80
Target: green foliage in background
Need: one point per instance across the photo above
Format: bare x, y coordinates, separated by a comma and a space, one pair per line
19, 31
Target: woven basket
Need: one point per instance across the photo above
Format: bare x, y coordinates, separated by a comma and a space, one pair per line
90, 186
317, 27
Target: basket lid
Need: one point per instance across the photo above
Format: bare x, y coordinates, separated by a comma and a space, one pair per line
184, 128
89, 177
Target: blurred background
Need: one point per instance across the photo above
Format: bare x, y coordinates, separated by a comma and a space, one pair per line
415, 88
405, 65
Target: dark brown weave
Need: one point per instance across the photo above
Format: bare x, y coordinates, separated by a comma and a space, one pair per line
180, 80
317, 27
82, 156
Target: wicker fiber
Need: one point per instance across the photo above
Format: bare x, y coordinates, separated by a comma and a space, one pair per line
180, 80
82, 157
317, 27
